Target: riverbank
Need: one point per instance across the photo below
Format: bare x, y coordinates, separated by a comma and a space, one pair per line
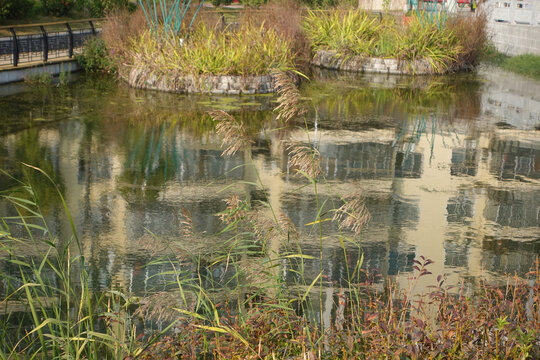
527, 65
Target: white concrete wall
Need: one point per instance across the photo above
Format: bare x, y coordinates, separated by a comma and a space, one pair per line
18, 74
378, 5
514, 26
514, 39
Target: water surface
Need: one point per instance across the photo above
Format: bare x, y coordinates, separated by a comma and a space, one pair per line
449, 168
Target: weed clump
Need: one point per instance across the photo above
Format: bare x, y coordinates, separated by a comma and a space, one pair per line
96, 57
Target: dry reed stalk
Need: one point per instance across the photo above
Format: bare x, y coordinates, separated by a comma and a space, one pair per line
235, 210
263, 226
353, 214
158, 307
287, 226
289, 98
187, 228
305, 159
284, 17
471, 33
119, 28
232, 131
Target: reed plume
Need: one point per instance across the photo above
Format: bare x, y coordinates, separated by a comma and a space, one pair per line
233, 132
289, 98
305, 159
354, 214
235, 211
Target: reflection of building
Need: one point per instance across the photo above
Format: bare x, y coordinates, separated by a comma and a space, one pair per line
513, 99
464, 160
468, 200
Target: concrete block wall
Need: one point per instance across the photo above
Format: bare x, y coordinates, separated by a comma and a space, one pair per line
514, 39
332, 60
208, 84
19, 74
514, 25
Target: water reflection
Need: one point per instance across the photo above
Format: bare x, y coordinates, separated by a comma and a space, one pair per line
440, 179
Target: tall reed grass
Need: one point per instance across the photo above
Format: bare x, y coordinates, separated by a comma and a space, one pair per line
255, 313
48, 310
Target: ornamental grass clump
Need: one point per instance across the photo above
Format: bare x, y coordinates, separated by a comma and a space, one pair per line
355, 33
427, 41
249, 50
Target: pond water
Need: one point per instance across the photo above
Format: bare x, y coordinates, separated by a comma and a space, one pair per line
449, 168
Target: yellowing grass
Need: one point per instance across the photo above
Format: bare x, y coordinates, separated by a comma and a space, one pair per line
358, 33
249, 50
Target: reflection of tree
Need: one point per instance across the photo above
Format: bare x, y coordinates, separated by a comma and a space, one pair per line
28, 148
152, 158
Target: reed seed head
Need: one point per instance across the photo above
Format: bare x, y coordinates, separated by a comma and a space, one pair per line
289, 98
235, 211
233, 132
305, 159
354, 214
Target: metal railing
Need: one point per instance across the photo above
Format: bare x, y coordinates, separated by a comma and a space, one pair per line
31, 43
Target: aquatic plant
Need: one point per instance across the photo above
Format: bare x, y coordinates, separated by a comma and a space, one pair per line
237, 301
352, 32
39, 78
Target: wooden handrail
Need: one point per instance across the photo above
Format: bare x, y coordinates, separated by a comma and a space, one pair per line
7, 27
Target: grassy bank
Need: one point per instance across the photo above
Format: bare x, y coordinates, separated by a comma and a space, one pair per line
527, 64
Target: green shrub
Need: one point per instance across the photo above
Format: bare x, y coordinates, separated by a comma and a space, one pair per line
15, 9
101, 7
320, 3
254, 3
95, 56
58, 7
358, 33
221, 2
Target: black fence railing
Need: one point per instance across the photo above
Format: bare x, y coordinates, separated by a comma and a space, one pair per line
21, 44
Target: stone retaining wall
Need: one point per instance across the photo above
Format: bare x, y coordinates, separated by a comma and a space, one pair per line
212, 84
332, 60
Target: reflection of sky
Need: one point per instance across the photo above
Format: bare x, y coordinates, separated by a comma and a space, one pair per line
461, 186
